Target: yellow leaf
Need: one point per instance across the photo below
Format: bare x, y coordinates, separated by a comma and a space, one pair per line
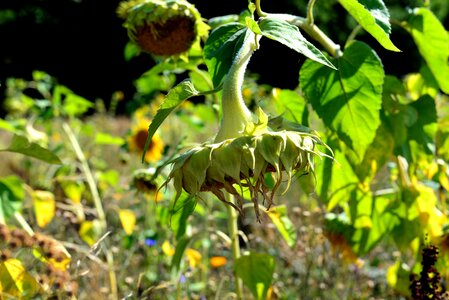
168, 249
90, 231
128, 220
73, 190
193, 257
15, 280
44, 207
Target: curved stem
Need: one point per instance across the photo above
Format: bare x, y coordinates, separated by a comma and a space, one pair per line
310, 18
259, 10
314, 32
235, 115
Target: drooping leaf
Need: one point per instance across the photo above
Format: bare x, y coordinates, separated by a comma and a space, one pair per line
374, 17
220, 49
12, 195
349, 99
15, 281
44, 207
20, 144
280, 219
179, 252
173, 99
256, 271
289, 35
432, 41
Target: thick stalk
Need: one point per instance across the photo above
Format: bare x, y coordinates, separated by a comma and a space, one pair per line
235, 115
235, 247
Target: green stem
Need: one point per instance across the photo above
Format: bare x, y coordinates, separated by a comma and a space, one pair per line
235, 115
310, 18
235, 247
314, 32
97, 202
259, 10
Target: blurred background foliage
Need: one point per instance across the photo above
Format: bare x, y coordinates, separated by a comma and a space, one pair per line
82, 42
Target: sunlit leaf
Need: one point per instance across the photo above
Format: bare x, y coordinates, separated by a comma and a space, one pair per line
291, 105
102, 138
220, 49
432, 40
75, 105
349, 99
289, 35
128, 220
280, 219
374, 17
44, 207
256, 271
20, 144
90, 231
12, 195
73, 190
15, 281
175, 97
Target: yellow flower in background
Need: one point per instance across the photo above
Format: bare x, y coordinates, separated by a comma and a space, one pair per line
193, 257
138, 137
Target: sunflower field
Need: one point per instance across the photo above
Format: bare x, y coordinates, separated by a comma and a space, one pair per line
210, 183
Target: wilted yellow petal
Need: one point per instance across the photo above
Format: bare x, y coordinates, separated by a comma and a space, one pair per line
168, 249
44, 207
15, 280
128, 220
193, 257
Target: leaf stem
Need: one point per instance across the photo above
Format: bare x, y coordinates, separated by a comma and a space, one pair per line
314, 32
259, 10
235, 246
310, 6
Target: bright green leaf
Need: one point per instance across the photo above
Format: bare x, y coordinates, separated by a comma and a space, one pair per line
373, 16
12, 195
291, 105
102, 138
20, 144
173, 99
220, 49
289, 35
280, 219
433, 43
256, 271
349, 99
75, 105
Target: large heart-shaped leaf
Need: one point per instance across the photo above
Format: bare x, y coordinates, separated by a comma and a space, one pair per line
349, 99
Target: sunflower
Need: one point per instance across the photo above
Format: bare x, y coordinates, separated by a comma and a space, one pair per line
163, 28
137, 138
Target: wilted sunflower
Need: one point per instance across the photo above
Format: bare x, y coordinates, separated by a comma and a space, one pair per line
163, 28
137, 138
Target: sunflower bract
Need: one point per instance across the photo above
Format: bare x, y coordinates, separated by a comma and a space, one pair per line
235, 164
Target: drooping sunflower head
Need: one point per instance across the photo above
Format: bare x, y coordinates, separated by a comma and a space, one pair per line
245, 162
137, 138
163, 27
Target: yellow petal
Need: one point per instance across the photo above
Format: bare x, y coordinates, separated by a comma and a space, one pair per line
128, 220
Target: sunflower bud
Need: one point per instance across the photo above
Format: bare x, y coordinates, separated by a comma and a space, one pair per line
162, 28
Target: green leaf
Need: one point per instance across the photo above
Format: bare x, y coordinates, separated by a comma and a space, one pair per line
220, 49
432, 41
179, 252
289, 35
291, 106
347, 100
280, 219
180, 213
423, 131
256, 271
20, 144
12, 195
102, 138
75, 105
175, 97
374, 17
